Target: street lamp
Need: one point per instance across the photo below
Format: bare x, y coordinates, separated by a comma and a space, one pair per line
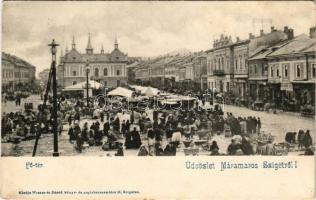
53, 46
87, 86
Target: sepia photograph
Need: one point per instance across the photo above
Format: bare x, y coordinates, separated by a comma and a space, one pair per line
109, 79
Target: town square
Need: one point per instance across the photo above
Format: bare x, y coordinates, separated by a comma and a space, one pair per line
135, 86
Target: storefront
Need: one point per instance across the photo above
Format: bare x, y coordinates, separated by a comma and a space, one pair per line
304, 92
258, 90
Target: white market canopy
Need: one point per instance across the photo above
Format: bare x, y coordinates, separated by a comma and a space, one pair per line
81, 86
151, 92
148, 91
141, 89
120, 91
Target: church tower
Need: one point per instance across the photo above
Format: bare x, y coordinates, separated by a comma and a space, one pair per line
102, 50
89, 49
73, 45
115, 43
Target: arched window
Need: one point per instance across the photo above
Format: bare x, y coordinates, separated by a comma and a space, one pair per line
105, 71
117, 72
96, 72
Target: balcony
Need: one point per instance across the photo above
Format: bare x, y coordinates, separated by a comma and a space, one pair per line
218, 72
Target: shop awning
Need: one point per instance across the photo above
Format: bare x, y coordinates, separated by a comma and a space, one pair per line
83, 85
120, 91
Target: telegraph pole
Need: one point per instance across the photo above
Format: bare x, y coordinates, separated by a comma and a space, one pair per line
53, 46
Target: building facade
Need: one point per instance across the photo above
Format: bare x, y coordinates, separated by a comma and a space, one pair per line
240, 71
291, 72
260, 47
15, 70
43, 76
220, 59
106, 68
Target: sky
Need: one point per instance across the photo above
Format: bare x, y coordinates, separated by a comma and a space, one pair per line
143, 29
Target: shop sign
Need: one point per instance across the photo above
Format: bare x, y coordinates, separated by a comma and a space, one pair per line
286, 86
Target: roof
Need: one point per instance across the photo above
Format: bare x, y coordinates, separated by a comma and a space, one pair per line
298, 45
264, 51
267, 39
312, 48
16, 60
115, 56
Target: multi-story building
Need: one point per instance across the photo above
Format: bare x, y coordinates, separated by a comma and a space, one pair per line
172, 68
291, 71
260, 48
131, 77
166, 71
200, 70
16, 70
220, 60
43, 76
142, 73
240, 58
106, 68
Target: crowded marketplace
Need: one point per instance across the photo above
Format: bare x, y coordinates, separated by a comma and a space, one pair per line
145, 121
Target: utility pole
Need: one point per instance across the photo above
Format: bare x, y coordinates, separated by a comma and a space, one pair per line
53, 46
87, 86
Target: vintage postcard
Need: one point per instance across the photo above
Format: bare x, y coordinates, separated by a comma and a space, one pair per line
158, 100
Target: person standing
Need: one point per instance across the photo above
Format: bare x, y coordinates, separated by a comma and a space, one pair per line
136, 139
123, 128
300, 139
258, 125
307, 140
106, 127
102, 116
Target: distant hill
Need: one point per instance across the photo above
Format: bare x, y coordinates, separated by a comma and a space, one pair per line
15, 60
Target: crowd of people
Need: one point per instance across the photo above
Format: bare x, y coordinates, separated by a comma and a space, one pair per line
149, 131
22, 124
160, 132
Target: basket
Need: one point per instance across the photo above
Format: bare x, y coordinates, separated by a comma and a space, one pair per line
191, 151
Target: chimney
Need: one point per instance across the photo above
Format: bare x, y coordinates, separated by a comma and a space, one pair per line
272, 29
251, 36
237, 39
289, 32
312, 32
261, 32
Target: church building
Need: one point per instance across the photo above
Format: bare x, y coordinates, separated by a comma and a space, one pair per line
106, 68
